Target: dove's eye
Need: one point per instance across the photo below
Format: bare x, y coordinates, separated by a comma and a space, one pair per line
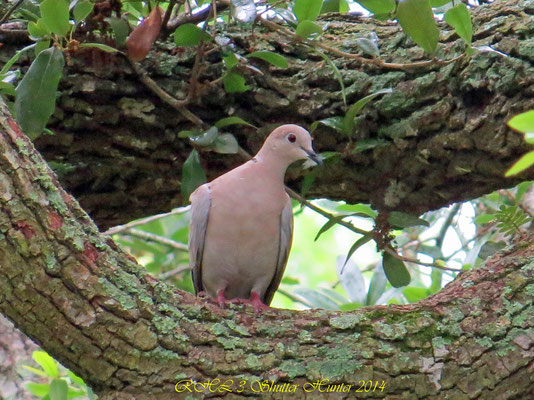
292, 137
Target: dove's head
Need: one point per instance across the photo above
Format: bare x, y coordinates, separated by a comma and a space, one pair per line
290, 143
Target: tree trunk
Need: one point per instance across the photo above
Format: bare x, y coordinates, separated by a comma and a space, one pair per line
440, 137
129, 336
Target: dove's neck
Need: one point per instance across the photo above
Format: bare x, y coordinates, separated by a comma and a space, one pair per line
272, 164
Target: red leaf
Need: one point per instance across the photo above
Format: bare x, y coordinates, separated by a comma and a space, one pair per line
143, 36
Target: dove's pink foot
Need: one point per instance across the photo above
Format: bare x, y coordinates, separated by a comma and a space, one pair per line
256, 302
221, 300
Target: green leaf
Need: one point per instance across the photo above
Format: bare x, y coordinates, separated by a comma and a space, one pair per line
58, 390
414, 294
224, 122
368, 144
38, 29
36, 371
484, 218
120, 29
378, 6
192, 174
459, 18
355, 246
7, 89
439, 3
47, 363
41, 46
529, 137
36, 93
235, 83
417, 21
226, 144
273, 58
100, 46
206, 138
523, 122
75, 378
358, 208
352, 281
337, 73
395, 271
340, 6
186, 134
329, 224
402, 220
307, 9
305, 29
316, 299
37, 389
332, 294
335, 123
368, 46
289, 280
73, 393
350, 306
29, 11
190, 35
522, 188
377, 286
55, 15
230, 60
510, 219
82, 10
348, 121
522, 164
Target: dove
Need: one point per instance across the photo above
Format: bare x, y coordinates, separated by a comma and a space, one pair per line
241, 224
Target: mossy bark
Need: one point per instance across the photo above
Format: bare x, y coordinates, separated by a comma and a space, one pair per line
440, 137
130, 336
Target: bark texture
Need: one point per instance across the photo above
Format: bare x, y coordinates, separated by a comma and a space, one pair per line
440, 137
129, 336
15, 351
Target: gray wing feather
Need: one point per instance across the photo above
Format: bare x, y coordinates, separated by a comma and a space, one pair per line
200, 208
284, 245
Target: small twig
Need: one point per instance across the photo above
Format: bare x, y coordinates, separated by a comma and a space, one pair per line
156, 238
167, 16
120, 228
375, 61
415, 261
11, 11
324, 213
190, 18
214, 8
446, 224
178, 105
294, 298
166, 275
